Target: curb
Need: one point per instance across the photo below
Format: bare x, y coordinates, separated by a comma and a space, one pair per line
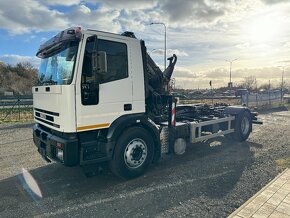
15, 125
235, 213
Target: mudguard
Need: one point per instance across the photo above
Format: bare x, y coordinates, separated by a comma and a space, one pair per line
235, 110
127, 121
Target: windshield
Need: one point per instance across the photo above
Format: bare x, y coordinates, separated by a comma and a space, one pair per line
57, 68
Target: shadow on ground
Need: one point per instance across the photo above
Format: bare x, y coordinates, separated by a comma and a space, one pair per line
202, 171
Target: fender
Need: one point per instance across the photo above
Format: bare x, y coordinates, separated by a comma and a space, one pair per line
127, 121
235, 110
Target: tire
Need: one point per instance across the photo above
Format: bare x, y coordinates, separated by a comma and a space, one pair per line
133, 153
243, 127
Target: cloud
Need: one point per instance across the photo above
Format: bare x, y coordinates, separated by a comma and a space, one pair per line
62, 3
188, 11
38, 17
169, 52
178, 52
265, 73
125, 4
217, 73
285, 61
14, 59
121, 14
190, 79
101, 18
271, 2
24, 16
183, 72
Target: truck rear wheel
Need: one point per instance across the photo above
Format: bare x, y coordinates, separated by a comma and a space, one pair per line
243, 127
133, 153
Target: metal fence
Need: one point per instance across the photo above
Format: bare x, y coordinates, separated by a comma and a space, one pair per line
15, 108
261, 100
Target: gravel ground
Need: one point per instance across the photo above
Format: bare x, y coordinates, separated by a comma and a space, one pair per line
211, 179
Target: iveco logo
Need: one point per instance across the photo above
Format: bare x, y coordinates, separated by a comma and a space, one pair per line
43, 116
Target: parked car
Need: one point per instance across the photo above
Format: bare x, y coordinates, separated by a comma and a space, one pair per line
228, 92
180, 96
195, 93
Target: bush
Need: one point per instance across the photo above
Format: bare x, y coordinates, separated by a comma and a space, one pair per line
19, 78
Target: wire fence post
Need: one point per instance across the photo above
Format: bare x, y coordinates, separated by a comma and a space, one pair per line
18, 101
269, 94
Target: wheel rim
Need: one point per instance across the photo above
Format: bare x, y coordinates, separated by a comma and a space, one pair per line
135, 153
245, 125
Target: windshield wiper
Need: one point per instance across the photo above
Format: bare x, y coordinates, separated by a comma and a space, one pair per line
49, 82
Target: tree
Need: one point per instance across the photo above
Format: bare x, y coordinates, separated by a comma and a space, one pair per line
18, 78
264, 87
249, 83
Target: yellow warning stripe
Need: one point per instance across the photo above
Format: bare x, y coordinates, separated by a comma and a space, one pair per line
103, 125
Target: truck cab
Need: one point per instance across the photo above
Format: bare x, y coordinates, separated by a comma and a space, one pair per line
90, 89
73, 95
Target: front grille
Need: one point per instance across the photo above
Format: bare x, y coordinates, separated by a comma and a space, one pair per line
50, 118
46, 116
49, 123
47, 112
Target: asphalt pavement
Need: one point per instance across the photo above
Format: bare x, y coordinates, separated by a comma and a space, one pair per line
211, 179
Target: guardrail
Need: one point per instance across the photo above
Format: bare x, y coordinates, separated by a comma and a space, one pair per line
16, 108
21, 99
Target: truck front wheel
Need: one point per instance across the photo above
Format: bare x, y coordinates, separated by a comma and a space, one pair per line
133, 153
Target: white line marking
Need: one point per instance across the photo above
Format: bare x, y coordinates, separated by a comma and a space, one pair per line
128, 195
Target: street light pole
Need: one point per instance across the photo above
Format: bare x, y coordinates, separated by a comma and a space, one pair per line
164, 40
282, 83
282, 89
230, 84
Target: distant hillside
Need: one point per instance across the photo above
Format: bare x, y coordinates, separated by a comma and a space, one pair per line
18, 78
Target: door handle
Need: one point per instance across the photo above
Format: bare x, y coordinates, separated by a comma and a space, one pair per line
127, 107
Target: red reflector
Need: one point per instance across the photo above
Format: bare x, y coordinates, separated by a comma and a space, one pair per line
58, 145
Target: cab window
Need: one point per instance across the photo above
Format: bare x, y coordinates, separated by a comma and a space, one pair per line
117, 67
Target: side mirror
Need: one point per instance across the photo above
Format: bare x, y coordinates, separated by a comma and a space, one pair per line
99, 62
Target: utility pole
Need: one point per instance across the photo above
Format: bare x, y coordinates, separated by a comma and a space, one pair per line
282, 86
269, 93
256, 92
230, 83
210, 83
282, 83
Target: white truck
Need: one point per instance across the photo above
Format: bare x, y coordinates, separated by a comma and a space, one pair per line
101, 98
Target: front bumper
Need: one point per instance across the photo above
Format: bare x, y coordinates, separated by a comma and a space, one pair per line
51, 145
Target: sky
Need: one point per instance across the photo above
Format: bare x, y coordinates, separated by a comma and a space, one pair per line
204, 34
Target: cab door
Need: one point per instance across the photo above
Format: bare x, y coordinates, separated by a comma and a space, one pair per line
103, 96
